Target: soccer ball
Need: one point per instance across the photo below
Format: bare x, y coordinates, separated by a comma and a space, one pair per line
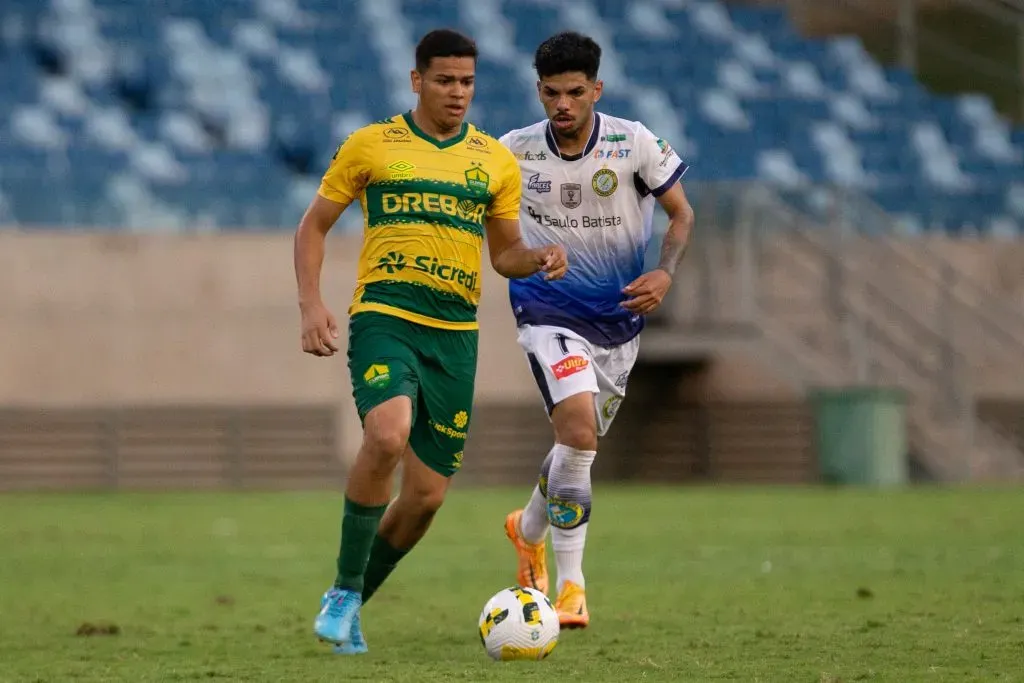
518, 623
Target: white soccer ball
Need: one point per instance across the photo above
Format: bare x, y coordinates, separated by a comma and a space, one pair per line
519, 623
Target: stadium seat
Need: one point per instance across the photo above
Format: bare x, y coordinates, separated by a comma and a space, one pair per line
224, 113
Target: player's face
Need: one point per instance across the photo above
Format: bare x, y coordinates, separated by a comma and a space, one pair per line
568, 100
446, 89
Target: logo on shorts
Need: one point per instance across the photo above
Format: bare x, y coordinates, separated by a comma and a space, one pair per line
621, 380
377, 376
605, 182
457, 460
569, 365
461, 419
564, 514
610, 407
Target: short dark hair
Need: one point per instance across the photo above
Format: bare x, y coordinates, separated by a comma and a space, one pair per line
565, 52
443, 42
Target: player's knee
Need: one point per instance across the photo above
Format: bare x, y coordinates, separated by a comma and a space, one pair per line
576, 423
424, 501
578, 435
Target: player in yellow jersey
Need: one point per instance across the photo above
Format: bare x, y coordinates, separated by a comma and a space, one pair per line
431, 186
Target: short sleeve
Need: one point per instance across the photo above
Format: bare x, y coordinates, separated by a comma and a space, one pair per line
349, 171
505, 203
659, 165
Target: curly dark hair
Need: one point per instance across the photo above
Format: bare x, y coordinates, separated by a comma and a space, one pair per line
565, 52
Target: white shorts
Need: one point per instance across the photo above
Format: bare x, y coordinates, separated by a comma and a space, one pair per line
565, 364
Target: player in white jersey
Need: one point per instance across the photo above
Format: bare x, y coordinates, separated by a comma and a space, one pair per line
590, 183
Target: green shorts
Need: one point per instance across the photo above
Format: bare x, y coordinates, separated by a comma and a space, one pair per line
436, 368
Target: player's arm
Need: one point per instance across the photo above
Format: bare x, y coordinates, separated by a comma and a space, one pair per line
339, 186
511, 258
680, 225
661, 168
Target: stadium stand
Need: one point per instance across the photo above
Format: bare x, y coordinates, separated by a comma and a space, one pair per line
200, 114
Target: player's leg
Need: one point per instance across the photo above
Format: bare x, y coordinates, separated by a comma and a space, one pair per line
436, 445
569, 497
562, 366
579, 422
406, 520
384, 377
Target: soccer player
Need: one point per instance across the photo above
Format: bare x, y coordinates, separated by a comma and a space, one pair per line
430, 186
590, 182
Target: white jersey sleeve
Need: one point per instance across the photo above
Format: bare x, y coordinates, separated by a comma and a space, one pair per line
658, 165
599, 205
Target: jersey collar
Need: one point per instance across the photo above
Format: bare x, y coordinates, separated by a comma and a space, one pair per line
440, 144
595, 133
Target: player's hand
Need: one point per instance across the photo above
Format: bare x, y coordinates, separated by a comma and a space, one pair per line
647, 291
319, 330
552, 260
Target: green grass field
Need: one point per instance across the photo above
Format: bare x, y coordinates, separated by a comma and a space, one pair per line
685, 584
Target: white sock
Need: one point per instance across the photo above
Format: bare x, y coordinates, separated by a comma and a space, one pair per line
534, 523
569, 494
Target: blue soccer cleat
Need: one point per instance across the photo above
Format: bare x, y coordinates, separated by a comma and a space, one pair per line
356, 644
339, 612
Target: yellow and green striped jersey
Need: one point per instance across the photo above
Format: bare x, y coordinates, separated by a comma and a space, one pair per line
424, 205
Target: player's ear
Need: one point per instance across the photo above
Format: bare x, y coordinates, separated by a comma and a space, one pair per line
416, 80
598, 88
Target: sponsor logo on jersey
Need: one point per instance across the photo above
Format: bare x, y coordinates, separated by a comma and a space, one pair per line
571, 195
568, 366
476, 142
612, 153
395, 262
401, 170
433, 203
395, 133
477, 179
605, 182
666, 151
614, 137
537, 185
588, 222
532, 156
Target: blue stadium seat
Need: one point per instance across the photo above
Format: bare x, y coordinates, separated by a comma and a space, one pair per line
226, 112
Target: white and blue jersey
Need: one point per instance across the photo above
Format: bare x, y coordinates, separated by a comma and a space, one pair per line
599, 205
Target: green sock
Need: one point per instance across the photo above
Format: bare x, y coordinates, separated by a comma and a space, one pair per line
383, 558
358, 529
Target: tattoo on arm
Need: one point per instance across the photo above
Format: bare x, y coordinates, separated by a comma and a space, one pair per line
672, 250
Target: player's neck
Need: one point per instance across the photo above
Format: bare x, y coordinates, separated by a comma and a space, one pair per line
574, 145
424, 123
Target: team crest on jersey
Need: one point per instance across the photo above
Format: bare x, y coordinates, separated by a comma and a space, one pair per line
572, 195
605, 182
477, 179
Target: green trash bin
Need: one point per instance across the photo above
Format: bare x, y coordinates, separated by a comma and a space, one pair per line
861, 435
